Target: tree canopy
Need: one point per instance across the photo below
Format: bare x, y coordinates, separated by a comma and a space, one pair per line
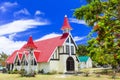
3, 57
82, 50
104, 17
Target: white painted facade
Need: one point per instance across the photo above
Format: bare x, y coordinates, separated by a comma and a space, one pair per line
87, 64
57, 62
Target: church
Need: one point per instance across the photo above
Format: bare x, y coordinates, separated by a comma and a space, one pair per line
53, 54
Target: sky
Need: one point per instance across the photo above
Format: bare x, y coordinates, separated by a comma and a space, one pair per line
40, 18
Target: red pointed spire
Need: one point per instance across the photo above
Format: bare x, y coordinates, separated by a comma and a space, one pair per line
30, 44
66, 24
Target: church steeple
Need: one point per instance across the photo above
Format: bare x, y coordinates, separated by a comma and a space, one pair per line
66, 26
30, 44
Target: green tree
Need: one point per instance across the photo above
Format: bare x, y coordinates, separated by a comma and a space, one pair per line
82, 50
104, 17
3, 57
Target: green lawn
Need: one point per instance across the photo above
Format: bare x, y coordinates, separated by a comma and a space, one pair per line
54, 77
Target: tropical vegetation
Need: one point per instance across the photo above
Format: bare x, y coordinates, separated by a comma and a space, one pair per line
104, 17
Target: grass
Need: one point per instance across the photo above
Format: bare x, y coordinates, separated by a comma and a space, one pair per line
54, 77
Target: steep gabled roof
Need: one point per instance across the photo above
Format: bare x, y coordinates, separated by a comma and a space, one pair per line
12, 57
48, 46
44, 51
66, 24
30, 44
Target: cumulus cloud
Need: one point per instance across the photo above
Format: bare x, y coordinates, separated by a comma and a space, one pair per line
6, 5
51, 35
73, 20
11, 36
20, 25
8, 46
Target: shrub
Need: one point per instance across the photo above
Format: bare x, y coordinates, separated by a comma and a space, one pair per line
4, 70
41, 71
53, 72
86, 74
23, 73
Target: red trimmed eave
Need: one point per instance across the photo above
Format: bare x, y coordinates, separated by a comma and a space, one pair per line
20, 55
30, 44
26, 54
66, 24
36, 54
48, 46
11, 58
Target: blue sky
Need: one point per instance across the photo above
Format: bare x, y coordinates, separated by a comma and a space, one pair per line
40, 18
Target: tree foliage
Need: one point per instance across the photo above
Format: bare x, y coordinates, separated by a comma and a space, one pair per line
3, 57
82, 50
104, 17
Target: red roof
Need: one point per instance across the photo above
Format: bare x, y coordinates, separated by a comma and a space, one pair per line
66, 24
20, 55
37, 54
11, 58
45, 48
30, 44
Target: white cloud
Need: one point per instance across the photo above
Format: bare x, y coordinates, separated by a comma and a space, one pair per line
38, 12
8, 46
11, 36
51, 35
22, 11
73, 20
76, 38
20, 25
6, 5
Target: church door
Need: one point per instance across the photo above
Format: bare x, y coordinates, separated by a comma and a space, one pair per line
70, 64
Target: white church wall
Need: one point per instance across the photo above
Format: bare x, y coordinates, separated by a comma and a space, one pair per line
44, 66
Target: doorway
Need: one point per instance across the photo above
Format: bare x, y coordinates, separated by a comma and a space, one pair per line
70, 64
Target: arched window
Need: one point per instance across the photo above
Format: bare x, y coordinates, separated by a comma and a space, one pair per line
67, 48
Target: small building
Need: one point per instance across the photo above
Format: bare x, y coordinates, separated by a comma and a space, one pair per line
84, 62
53, 54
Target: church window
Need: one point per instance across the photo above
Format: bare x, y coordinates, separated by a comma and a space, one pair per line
67, 48
18, 63
35, 63
72, 49
55, 55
